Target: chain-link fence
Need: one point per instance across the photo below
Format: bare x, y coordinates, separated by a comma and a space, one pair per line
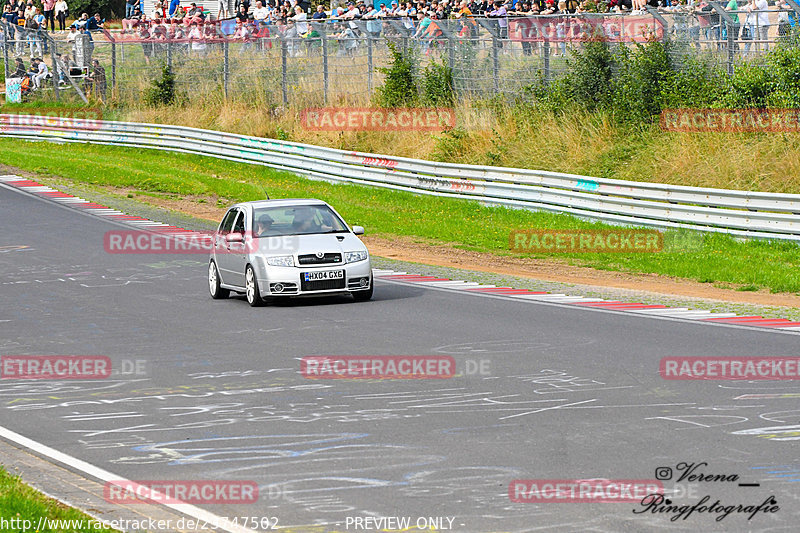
339, 61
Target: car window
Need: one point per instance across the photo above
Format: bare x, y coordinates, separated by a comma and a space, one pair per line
238, 226
298, 220
227, 222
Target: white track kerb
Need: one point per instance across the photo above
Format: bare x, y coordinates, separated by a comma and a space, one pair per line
742, 213
104, 475
432, 282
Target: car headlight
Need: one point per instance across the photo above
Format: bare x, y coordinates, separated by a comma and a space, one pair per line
280, 260
353, 257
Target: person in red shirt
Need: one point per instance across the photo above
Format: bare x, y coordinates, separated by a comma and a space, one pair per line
49, 14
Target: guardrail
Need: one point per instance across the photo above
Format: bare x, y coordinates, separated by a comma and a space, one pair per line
740, 213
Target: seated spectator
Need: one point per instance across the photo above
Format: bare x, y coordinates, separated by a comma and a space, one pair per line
134, 20
320, 13
195, 15
94, 23
260, 13
242, 15
41, 73
19, 68
80, 23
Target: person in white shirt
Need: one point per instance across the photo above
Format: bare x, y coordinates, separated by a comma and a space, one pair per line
260, 13
300, 28
763, 21
40, 75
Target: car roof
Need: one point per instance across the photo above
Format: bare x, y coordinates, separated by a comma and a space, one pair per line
286, 202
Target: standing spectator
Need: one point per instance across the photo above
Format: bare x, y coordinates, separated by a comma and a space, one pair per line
49, 8
749, 28
787, 19
30, 10
373, 24
96, 80
733, 30
62, 11
130, 5
10, 16
501, 12
174, 6
758, 16
222, 9
298, 29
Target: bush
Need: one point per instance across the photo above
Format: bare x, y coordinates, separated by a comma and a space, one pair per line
162, 90
399, 88
107, 8
437, 85
588, 83
642, 74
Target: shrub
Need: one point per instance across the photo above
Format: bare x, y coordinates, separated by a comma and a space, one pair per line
162, 90
437, 85
399, 88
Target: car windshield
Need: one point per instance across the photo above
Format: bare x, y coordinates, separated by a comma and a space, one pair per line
296, 220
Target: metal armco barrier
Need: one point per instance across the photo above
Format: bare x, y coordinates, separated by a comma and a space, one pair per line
740, 213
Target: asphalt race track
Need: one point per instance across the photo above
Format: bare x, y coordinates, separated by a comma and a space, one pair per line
565, 393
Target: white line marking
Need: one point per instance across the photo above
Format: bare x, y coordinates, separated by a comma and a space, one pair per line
104, 475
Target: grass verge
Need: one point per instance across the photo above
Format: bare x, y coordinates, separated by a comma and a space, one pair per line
20, 503
713, 259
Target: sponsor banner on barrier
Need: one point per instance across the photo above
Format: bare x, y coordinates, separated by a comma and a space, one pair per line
377, 119
378, 367
568, 241
55, 367
582, 490
730, 368
53, 118
561, 29
186, 491
731, 120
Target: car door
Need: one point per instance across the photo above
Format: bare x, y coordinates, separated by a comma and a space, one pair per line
235, 257
222, 252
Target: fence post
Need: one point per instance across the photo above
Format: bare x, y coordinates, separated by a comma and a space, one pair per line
284, 81
169, 53
113, 68
546, 58
324, 66
56, 76
369, 63
451, 56
5, 50
496, 64
225, 67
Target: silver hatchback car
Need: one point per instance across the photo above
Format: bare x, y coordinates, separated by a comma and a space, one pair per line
272, 248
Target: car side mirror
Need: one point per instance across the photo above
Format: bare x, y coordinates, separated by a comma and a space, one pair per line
358, 230
234, 237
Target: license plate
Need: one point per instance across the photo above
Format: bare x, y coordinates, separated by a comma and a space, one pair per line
323, 275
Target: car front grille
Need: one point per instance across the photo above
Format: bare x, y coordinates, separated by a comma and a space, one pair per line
312, 259
322, 285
